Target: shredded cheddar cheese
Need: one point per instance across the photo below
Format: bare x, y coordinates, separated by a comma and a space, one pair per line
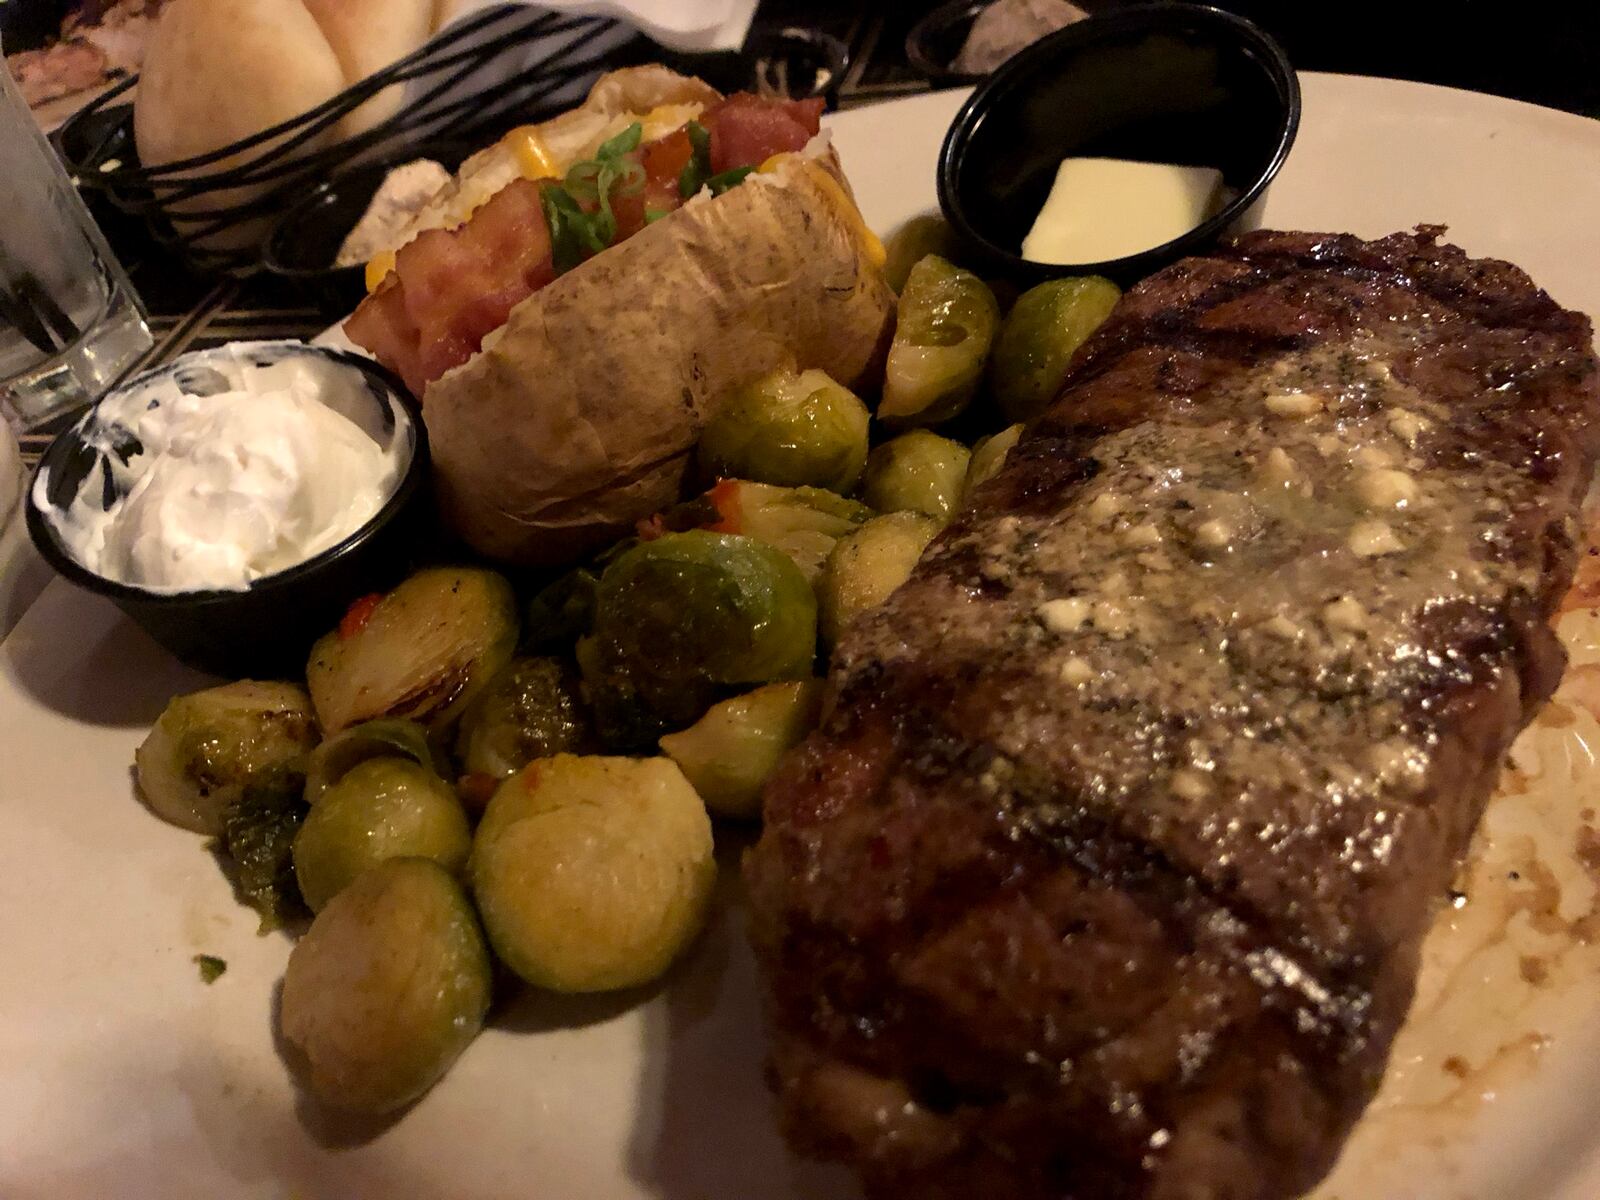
871, 246
533, 155
378, 269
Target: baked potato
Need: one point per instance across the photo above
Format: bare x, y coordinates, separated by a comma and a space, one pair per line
578, 414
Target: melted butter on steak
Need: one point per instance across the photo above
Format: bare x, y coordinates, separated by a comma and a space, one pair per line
1210, 613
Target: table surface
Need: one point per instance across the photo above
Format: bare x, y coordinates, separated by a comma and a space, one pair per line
1538, 51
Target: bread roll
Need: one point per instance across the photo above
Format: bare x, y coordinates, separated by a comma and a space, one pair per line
220, 70
367, 36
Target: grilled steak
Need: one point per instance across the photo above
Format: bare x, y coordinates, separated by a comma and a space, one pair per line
1105, 876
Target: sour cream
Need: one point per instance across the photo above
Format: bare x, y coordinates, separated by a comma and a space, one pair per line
233, 465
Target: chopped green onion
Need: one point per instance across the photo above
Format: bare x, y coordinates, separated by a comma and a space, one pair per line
695, 172
211, 967
724, 180
625, 142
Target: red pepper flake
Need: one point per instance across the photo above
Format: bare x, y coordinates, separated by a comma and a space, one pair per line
725, 499
357, 615
530, 777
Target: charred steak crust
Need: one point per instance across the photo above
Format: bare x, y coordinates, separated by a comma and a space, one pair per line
1106, 874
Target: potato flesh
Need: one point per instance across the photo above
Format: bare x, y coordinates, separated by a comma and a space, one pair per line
593, 873
542, 454
387, 988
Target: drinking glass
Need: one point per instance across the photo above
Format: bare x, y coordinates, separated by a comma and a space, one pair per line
70, 323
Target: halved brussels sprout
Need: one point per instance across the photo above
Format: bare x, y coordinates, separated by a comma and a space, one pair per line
422, 651
207, 745
946, 324
1042, 332
678, 617
917, 472
790, 430
913, 242
381, 809
387, 737
530, 710
593, 873
387, 988
803, 522
988, 456
729, 753
869, 564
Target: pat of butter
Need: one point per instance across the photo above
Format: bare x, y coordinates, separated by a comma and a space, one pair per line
1105, 208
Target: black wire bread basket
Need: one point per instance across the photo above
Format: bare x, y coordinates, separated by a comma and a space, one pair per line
483, 74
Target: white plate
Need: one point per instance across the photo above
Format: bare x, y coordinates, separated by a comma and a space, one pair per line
122, 1075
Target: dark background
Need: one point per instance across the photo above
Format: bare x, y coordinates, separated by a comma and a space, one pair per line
1543, 51
1536, 50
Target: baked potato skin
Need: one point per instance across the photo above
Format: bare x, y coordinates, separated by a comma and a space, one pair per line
579, 416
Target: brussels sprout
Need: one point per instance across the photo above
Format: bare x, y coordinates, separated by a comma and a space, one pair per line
258, 832
917, 472
383, 808
790, 430
387, 737
1042, 332
593, 873
988, 456
802, 522
531, 710
947, 321
914, 241
387, 988
207, 746
729, 753
678, 616
869, 564
560, 612
422, 651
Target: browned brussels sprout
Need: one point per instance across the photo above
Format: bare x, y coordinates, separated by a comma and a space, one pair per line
207, 746
728, 753
532, 709
946, 324
687, 614
593, 873
387, 737
381, 809
1041, 333
422, 651
387, 988
917, 472
792, 430
869, 564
